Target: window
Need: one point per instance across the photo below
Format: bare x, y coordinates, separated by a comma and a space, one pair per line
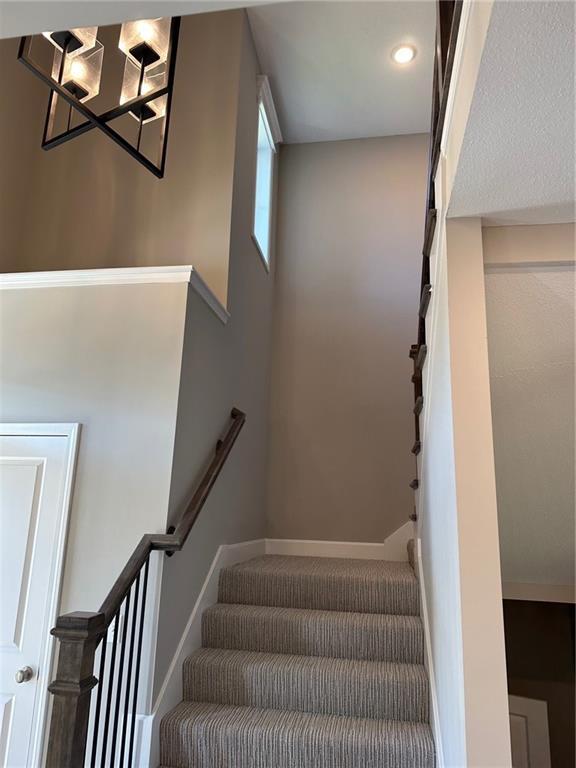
268, 136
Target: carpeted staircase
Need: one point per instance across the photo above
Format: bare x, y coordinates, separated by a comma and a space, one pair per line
307, 662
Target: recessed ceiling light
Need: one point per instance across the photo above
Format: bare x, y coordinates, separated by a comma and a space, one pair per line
403, 54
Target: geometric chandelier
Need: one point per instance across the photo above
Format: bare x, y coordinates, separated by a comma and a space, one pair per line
119, 83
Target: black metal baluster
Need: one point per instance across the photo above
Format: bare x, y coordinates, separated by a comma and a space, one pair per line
138, 654
104, 642
120, 676
136, 588
109, 691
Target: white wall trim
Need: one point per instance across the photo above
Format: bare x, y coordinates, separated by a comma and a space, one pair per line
72, 433
78, 277
392, 548
456, 70
429, 658
209, 296
67, 278
545, 593
528, 266
265, 97
170, 694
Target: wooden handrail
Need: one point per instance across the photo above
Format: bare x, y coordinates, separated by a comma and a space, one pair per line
174, 541
81, 633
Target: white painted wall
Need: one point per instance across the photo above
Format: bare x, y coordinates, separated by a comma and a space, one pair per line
457, 526
439, 557
107, 357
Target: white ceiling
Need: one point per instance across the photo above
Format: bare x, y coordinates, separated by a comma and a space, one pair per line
27, 17
530, 317
517, 163
329, 62
331, 71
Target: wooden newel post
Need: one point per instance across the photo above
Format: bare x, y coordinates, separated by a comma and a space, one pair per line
78, 634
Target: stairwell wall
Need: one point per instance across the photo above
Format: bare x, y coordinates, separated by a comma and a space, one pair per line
347, 283
223, 366
89, 205
107, 357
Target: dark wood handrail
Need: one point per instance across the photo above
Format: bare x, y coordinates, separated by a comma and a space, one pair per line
173, 542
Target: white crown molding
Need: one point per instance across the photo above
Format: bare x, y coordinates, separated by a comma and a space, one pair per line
74, 278
265, 97
209, 297
78, 277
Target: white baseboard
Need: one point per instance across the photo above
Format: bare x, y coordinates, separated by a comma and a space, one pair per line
428, 658
170, 695
392, 548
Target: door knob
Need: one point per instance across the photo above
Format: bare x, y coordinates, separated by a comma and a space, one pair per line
24, 674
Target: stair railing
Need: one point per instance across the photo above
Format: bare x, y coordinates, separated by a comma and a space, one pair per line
106, 721
447, 25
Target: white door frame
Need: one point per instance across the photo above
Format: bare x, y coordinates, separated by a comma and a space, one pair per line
71, 432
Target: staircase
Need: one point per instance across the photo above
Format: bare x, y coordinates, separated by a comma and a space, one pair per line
307, 663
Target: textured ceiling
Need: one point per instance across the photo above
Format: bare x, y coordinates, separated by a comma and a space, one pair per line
332, 73
517, 159
530, 316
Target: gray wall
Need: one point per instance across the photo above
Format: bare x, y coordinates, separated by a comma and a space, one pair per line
107, 357
223, 366
531, 308
349, 245
88, 204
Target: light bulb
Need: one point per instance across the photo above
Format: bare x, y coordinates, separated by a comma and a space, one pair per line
404, 54
78, 70
146, 31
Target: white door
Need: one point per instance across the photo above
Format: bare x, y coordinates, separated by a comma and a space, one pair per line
529, 733
35, 483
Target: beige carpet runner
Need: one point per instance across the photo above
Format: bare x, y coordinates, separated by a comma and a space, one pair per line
307, 663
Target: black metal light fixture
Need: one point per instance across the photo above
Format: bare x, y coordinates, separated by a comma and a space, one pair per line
139, 83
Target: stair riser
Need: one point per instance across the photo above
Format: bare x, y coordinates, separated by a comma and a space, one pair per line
309, 688
366, 637
316, 592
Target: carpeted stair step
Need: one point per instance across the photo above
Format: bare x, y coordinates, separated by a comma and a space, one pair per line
202, 735
343, 635
366, 689
324, 583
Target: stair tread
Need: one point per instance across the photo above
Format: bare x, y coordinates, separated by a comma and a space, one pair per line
326, 583
372, 689
206, 735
